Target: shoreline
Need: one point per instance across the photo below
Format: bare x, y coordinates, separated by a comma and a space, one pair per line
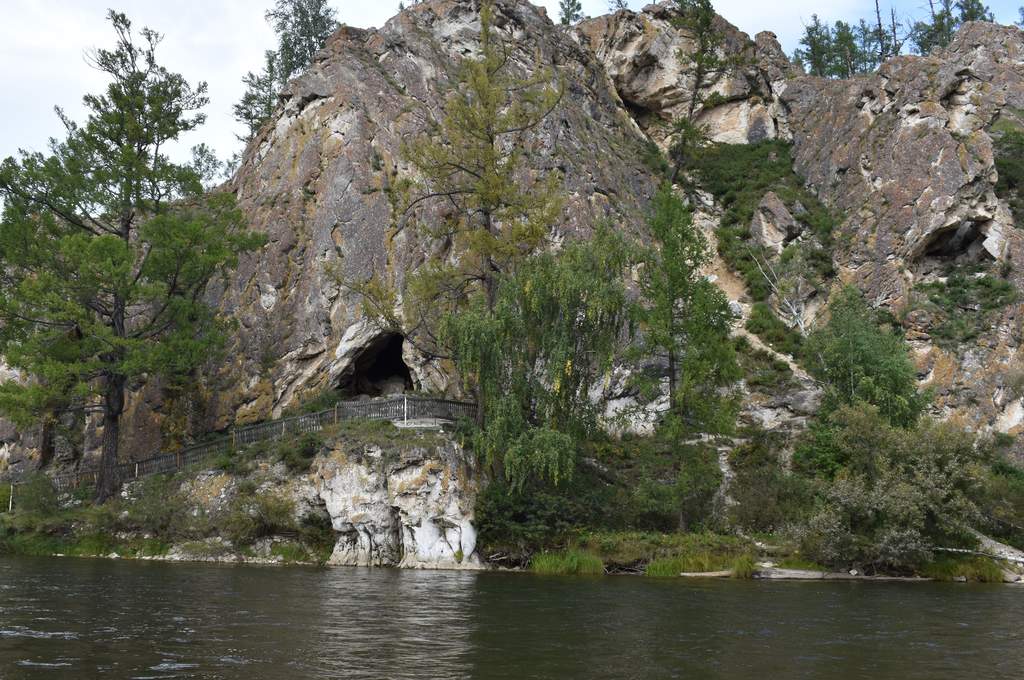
763, 574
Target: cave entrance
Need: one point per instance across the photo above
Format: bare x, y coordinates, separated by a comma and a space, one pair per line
378, 370
962, 242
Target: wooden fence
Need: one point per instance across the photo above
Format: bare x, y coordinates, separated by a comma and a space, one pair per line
396, 409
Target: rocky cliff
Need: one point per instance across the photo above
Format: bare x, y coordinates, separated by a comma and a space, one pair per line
903, 156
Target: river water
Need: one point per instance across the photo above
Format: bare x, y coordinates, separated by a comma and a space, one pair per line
79, 618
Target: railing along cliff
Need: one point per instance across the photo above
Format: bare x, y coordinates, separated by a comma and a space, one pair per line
396, 409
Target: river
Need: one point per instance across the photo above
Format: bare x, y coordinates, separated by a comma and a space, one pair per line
80, 618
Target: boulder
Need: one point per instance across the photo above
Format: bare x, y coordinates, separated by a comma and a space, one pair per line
773, 225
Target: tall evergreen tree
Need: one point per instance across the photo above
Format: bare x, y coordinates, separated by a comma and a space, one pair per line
302, 27
106, 247
570, 11
817, 52
260, 98
698, 18
686, 319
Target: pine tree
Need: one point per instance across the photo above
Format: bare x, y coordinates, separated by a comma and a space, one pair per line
302, 27
698, 18
818, 50
106, 247
686, 320
570, 11
260, 99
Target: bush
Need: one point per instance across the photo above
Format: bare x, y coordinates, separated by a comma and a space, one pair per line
298, 454
767, 498
35, 494
317, 533
897, 493
568, 563
977, 569
963, 305
250, 517
766, 325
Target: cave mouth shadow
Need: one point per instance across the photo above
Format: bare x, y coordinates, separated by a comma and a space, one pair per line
378, 369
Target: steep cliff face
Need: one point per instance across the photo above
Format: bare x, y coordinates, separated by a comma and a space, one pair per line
904, 156
641, 53
319, 180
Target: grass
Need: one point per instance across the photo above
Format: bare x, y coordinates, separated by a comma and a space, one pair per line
761, 369
766, 325
290, 552
963, 304
974, 569
739, 175
741, 566
573, 562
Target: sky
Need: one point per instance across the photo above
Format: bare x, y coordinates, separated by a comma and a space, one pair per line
43, 42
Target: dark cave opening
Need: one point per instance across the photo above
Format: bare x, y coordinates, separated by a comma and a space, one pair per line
956, 243
378, 370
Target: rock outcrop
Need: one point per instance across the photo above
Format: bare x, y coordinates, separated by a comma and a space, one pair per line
319, 181
644, 55
407, 507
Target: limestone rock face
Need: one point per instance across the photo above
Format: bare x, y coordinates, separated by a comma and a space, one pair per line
641, 53
319, 181
773, 225
906, 155
408, 509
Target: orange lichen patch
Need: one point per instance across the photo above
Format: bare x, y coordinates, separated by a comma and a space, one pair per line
205, 491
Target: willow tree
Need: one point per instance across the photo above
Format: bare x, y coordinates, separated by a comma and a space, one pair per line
107, 246
541, 351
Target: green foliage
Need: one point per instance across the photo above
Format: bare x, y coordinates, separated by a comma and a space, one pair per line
1009, 154
570, 12
767, 498
35, 494
739, 175
107, 247
298, 454
253, 516
566, 563
762, 370
686, 319
766, 325
947, 16
537, 354
975, 569
317, 534
963, 305
744, 566
698, 18
897, 492
302, 28
858, 361
635, 548
260, 98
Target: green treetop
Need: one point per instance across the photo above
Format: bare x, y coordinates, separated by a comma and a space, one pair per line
860, 362
472, 164
106, 248
570, 11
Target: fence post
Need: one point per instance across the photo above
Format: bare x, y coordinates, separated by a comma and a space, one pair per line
405, 408
336, 414
136, 470
10, 501
283, 423
234, 444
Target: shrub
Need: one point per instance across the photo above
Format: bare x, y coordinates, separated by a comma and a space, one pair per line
766, 325
897, 493
744, 566
767, 498
35, 494
567, 563
250, 517
298, 454
317, 533
963, 304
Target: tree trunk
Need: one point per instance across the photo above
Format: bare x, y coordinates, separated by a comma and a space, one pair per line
113, 407
672, 398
